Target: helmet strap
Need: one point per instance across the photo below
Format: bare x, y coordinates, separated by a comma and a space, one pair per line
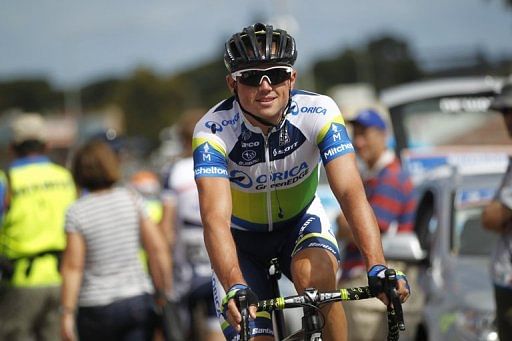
263, 120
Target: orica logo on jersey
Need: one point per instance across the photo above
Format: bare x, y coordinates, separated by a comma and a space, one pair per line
224, 123
285, 178
277, 179
295, 110
240, 178
213, 126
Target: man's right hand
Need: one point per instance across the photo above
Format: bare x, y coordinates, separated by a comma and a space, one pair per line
231, 312
376, 282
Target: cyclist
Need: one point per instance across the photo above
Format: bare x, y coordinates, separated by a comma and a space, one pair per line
256, 163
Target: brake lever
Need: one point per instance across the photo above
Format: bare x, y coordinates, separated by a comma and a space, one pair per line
241, 303
395, 313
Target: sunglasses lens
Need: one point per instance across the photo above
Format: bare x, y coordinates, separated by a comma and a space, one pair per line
253, 77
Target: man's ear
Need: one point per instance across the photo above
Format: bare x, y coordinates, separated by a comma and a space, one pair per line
231, 84
293, 78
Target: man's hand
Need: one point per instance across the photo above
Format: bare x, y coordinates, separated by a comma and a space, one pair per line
230, 310
376, 277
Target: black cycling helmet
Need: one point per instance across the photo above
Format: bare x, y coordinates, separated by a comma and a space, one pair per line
258, 44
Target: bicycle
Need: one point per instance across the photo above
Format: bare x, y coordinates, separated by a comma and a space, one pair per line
311, 301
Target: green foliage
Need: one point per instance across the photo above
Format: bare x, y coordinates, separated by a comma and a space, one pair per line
98, 94
30, 95
147, 102
383, 62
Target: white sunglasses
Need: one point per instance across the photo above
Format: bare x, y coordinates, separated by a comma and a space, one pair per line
254, 77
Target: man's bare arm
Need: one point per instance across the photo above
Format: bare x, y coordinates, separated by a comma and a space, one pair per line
347, 186
216, 208
495, 216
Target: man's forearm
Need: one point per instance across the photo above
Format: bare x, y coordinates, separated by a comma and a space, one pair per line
366, 232
222, 252
495, 217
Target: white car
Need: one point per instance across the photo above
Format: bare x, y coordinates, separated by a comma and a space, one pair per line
456, 251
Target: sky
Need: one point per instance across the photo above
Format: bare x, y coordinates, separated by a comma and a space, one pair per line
73, 43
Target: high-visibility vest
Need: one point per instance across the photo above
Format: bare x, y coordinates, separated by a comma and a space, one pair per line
33, 234
155, 210
3, 190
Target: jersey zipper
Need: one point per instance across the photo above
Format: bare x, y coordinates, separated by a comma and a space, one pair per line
269, 182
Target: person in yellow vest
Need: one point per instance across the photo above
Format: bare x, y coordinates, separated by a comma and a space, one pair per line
32, 234
3, 192
147, 184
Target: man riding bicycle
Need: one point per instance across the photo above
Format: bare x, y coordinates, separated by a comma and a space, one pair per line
256, 163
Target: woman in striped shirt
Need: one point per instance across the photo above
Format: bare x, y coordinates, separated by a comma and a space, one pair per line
104, 282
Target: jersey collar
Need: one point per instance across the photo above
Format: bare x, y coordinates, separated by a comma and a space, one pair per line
28, 160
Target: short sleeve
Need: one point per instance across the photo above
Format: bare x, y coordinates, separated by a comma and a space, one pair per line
72, 223
209, 152
140, 204
331, 134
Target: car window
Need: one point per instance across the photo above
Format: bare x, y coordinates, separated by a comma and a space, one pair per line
452, 121
469, 237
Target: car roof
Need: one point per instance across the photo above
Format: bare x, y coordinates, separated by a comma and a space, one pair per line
406, 93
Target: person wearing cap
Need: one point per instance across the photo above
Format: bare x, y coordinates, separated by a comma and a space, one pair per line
32, 234
497, 217
390, 192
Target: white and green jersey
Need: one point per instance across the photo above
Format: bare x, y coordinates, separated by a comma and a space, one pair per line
273, 178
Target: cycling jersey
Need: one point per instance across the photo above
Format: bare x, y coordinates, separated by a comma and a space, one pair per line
273, 178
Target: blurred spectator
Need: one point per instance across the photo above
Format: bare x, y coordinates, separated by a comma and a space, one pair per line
390, 193
32, 235
191, 263
111, 137
3, 194
497, 217
148, 185
104, 282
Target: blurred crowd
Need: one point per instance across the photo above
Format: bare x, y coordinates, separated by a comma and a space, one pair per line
89, 252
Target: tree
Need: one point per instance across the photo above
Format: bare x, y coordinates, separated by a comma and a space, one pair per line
149, 103
382, 62
30, 95
391, 62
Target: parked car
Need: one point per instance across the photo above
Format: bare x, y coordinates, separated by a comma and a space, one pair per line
456, 254
447, 121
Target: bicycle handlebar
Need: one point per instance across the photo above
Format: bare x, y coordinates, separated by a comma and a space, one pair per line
313, 297
281, 303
